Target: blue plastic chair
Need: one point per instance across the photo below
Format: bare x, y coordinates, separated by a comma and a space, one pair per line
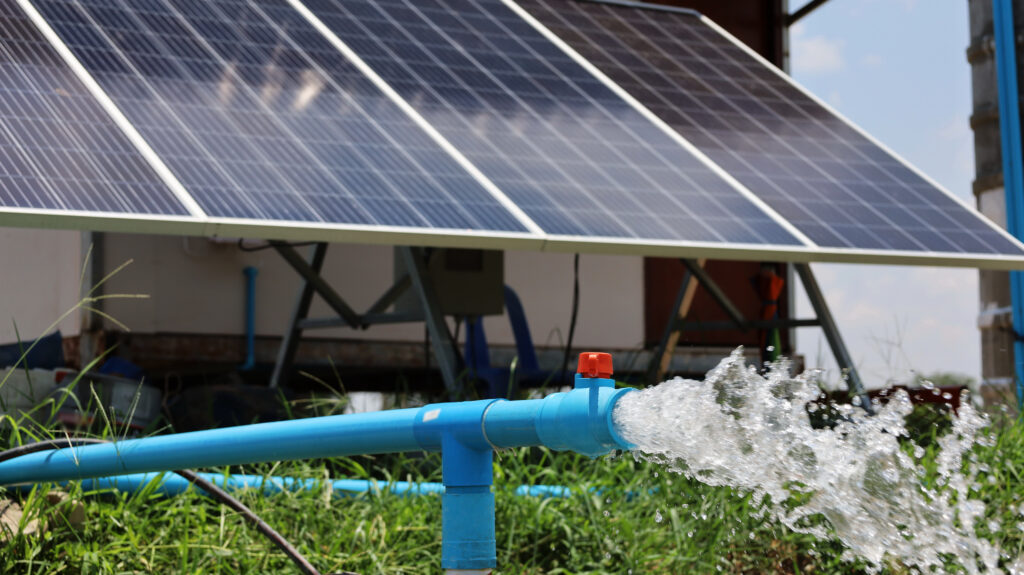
497, 381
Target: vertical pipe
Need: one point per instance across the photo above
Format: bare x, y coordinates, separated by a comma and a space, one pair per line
250, 318
467, 507
1013, 179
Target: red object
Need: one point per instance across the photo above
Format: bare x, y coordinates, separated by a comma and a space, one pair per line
595, 364
770, 286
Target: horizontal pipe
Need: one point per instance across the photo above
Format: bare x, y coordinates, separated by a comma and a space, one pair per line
332, 436
579, 420
170, 484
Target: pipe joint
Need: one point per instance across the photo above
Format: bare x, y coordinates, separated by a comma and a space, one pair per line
581, 420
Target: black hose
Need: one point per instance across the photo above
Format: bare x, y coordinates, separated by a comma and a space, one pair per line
572, 319
209, 487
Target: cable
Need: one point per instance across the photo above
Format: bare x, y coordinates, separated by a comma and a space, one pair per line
572, 319
210, 488
268, 245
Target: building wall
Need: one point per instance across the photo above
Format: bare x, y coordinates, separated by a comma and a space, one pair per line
197, 286
40, 272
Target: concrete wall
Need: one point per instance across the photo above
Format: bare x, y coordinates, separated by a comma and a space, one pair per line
40, 272
196, 286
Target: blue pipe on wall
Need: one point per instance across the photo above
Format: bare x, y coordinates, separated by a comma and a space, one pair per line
465, 433
250, 318
1013, 163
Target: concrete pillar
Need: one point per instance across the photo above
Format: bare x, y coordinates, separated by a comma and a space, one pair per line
995, 318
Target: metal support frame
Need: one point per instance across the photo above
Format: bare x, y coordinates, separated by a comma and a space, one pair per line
696, 275
443, 344
415, 262
835, 340
803, 11
290, 341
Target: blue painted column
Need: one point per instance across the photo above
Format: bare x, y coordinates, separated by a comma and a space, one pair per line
1013, 170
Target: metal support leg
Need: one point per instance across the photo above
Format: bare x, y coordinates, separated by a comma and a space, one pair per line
711, 286
317, 283
290, 342
662, 357
444, 347
835, 341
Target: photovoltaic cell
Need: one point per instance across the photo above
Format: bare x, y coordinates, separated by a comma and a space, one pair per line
563, 146
59, 149
835, 185
261, 118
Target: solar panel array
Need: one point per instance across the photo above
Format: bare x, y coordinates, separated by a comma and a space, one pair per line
59, 150
563, 146
838, 187
445, 118
260, 117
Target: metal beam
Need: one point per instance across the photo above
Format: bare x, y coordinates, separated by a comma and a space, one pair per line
835, 340
804, 11
716, 293
290, 341
443, 344
662, 357
319, 284
390, 296
755, 324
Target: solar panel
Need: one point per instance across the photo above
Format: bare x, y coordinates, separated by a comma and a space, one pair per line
836, 185
564, 146
262, 119
59, 149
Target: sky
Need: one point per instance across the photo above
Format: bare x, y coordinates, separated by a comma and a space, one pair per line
898, 69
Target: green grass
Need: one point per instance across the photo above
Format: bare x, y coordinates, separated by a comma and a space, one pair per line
624, 516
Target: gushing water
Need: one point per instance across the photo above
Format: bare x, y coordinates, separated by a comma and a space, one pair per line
750, 432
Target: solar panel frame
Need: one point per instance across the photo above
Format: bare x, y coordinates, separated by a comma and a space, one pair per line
843, 254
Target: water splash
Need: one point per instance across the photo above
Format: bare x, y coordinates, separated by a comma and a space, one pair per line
752, 432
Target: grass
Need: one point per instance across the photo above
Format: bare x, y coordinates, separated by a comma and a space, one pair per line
624, 516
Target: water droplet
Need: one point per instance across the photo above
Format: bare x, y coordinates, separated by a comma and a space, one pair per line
689, 534
657, 516
606, 513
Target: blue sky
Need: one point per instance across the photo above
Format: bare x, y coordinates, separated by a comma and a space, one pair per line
898, 69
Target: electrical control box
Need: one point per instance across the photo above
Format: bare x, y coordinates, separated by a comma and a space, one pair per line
467, 282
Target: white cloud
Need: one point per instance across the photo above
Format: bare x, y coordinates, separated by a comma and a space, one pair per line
896, 320
816, 54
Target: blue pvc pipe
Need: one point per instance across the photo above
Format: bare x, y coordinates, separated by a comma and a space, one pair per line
171, 484
250, 318
1013, 158
465, 433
